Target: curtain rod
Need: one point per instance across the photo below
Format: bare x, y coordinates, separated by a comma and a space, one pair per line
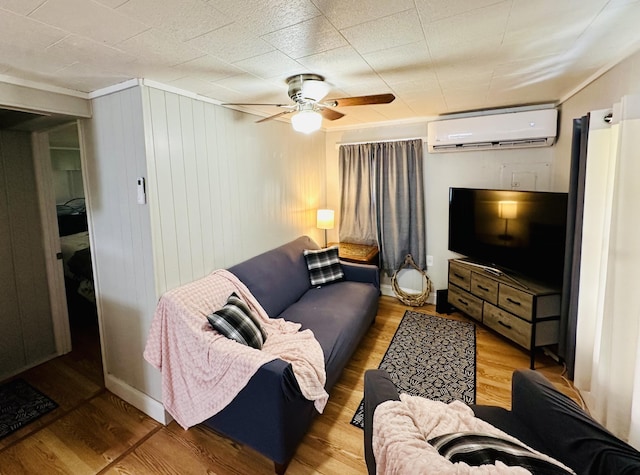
423, 138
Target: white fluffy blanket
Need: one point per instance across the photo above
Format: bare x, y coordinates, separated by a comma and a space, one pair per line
202, 371
401, 430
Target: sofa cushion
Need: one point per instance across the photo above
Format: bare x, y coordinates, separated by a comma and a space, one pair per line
235, 320
277, 278
339, 315
477, 449
323, 265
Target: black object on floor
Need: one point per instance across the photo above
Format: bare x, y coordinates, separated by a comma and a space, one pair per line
20, 404
432, 357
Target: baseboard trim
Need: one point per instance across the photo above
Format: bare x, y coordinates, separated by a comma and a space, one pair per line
387, 290
138, 399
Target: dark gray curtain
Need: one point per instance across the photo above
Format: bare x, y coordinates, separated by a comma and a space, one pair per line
393, 171
358, 222
571, 278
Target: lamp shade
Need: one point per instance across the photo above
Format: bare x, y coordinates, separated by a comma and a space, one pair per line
306, 121
324, 219
508, 209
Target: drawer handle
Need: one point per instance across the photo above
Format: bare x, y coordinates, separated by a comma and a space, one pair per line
482, 288
514, 302
463, 302
458, 276
504, 324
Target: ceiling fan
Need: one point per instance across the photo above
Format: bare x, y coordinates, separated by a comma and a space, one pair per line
307, 91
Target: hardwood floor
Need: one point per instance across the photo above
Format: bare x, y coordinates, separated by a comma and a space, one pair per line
95, 432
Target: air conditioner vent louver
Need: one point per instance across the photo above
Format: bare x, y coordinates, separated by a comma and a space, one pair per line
536, 128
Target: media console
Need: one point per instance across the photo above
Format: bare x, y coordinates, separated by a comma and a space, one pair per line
521, 310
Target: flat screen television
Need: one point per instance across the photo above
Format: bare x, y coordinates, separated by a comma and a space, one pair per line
519, 232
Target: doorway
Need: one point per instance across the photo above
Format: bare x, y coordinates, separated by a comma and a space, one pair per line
75, 248
48, 312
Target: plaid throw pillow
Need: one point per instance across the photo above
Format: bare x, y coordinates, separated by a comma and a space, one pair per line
324, 265
236, 321
477, 449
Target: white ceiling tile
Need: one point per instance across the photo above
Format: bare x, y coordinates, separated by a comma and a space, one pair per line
33, 35
388, 32
89, 77
270, 65
344, 14
90, 19
223, 94
209, 68
261, 17
362, 87
337, 61
428, 106
253, 89
526, 15
184, 20
89, 52
409, 89
306, 38
155, 47
402, 63
487, 22
436, 56
434, 10
23, 7
112, 3
231, 43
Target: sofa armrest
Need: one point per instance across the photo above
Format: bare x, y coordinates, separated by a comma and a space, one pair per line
569, 433
378, 388
365, 273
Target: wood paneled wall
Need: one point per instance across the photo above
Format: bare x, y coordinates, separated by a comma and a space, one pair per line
26, 329
220, 189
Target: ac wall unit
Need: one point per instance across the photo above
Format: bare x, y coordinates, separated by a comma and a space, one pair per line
534, 128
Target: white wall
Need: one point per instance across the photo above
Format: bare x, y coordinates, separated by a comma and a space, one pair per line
442, 170
120, 231
26, 329
220, 189
621, 80
224, 188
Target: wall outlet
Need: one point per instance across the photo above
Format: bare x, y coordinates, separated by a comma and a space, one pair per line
429, 261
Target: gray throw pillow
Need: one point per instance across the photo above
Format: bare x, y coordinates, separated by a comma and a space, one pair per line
324, 265
236, 321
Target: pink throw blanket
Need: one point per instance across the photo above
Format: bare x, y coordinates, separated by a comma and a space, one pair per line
202, 370
401, 430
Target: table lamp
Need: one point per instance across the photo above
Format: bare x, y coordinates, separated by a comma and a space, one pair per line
324, 220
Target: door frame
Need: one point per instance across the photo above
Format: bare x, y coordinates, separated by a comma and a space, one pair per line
51, 240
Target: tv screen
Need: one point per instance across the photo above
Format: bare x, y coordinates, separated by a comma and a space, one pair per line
522, 232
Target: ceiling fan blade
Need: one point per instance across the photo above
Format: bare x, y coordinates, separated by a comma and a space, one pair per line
254, 104
273, 116
330, 114
362, 100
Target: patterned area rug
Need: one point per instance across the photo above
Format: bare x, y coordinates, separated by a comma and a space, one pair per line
432, 357
20, 404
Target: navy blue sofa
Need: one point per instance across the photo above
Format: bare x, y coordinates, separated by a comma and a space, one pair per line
270, 414
541, 416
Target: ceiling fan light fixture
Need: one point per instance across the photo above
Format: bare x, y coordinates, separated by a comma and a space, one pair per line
306, 121
314, 90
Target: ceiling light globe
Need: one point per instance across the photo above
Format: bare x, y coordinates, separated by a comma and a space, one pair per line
306, 121
313, 90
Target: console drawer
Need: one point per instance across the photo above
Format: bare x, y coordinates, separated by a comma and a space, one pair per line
460, 276
515, 301
484, 287
465, 302
507, 325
